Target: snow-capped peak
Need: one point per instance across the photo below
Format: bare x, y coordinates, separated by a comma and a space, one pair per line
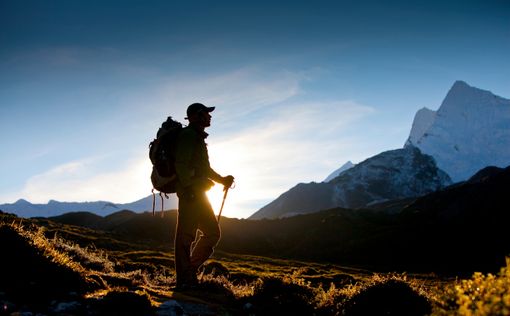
468, 132
460, 85
421, 123
337, 172
462, 98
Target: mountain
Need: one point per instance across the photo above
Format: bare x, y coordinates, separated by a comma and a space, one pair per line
482, 197
468, 132
462, 227
301, 199
337, 172
24, 208
394, 174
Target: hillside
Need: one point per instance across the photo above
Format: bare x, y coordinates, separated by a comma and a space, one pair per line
92, 272
429, 233
57, 269
459, 226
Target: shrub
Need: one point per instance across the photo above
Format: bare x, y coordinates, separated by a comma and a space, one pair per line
483, 294
390, 297
280, 296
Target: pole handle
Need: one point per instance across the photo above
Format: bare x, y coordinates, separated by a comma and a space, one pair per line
222, 203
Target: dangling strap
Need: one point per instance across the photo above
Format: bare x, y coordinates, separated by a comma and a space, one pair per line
153, 203
162, 202
163, 213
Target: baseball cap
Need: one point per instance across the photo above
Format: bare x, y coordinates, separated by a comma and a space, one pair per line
198, 107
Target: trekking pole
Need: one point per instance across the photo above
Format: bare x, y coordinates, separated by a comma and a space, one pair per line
223, 203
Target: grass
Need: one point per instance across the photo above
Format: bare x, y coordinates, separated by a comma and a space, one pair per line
482, 294
124, 277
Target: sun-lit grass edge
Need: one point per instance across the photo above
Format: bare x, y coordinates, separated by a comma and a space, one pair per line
35, 236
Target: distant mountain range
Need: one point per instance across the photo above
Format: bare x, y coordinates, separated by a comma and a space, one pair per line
24, 208
469, 132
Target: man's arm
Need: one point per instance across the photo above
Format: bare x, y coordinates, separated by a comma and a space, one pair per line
213, 175
226, 181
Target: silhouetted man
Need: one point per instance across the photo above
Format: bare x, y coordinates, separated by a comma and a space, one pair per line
195, 213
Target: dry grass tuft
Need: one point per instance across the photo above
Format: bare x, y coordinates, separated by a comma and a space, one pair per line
35, 236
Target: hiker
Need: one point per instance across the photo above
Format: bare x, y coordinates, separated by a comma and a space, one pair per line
197, 231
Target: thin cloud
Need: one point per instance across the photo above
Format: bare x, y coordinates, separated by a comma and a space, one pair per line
238, 92
81, 181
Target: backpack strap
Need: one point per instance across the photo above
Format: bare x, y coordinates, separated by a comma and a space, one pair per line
162, 203
166, 196
153, 202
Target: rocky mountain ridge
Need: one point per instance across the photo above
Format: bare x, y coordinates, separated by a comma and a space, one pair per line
394, 174
346, 166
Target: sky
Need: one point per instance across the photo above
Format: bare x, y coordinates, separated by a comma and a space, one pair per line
299, 87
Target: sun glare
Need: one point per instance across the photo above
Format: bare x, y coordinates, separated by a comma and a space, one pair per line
228, 161
216, 197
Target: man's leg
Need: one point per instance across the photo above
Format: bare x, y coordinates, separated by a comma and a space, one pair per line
210, 232
184, 236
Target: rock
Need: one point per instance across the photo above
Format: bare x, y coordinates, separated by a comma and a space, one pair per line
178, 308
170, 308
66, 307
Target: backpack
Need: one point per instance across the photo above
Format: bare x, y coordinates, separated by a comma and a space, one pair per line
162, 156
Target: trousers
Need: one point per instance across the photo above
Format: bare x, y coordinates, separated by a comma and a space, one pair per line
196, 235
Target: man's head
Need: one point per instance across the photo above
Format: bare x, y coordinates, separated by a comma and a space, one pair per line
198, 114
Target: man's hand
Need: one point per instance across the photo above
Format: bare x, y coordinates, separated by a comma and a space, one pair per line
227, 182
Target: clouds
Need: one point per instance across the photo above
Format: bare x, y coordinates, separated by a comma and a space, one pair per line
87, 180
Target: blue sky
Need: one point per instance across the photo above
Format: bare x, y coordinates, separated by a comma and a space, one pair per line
300, 87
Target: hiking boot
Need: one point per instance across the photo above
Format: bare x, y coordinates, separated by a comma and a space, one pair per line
189, 283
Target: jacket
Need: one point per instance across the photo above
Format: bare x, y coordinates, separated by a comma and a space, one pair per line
192, 161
